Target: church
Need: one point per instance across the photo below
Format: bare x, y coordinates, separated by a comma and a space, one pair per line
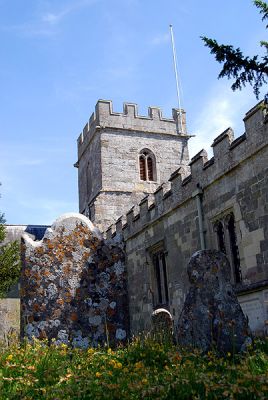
138, 186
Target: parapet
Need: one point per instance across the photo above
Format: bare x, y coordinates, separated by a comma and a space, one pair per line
228, 153
129, 120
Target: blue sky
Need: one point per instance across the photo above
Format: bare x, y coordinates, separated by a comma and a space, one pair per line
58, 57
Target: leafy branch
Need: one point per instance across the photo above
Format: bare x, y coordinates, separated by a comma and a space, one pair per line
244, 69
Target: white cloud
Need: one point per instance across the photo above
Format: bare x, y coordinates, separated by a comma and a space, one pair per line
47, 23
222, 108
53, 18
30, 29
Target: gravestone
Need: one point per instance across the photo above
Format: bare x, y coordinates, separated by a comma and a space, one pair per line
73, 285
212, 317
162, 324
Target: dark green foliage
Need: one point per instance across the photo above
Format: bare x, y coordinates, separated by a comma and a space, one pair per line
244, 69
9, 261
263, 9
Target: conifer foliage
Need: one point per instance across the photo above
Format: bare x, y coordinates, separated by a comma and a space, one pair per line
244, 69
9, 261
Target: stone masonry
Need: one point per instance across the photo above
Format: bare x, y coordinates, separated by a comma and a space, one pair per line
219, 203
73, 285
108, 158
232, 191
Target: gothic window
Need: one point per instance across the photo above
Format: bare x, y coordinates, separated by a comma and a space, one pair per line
147, 165
142, 169
234, 248
227, 243
161, 296
89, 180
220, 237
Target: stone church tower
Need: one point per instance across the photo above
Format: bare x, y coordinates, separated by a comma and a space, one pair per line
124, 156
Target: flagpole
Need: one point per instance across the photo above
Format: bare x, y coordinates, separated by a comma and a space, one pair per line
176, 74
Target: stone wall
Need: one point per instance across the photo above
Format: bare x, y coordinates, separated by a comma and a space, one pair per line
233, 182
73, 285
10, 305
9, 319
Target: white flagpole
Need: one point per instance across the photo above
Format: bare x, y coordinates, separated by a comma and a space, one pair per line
176, 74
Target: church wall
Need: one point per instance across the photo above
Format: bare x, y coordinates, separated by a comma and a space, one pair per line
110, 146
232, 184
89, 173
161, 231
121, 183
120, 158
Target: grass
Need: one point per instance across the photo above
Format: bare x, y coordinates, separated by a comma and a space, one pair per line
145, 369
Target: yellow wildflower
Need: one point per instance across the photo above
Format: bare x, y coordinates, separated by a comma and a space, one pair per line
118, 365
98, 374
138, 364
9, 357
145, 381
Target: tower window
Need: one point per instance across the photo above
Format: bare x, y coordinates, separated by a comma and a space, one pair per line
147, 166
142, 169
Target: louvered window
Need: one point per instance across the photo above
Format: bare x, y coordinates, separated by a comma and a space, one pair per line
147, 166
150, 169
142, 168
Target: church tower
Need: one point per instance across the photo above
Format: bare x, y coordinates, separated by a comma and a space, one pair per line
124, 156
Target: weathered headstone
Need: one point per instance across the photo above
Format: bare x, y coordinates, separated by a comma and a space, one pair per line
162, 324
73, 285
212, 317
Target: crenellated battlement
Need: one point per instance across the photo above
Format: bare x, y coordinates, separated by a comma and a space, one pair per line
228, 154
105, 118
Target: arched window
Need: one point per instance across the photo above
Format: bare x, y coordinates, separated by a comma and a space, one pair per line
220, 237
147, 165
227, 243
234, 248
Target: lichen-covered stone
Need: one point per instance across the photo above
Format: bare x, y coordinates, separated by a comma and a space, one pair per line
211, 315
162, 324
73, 285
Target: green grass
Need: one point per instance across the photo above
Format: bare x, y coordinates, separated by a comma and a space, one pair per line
144, 369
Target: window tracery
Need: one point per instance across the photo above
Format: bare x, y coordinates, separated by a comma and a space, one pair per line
147, 165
